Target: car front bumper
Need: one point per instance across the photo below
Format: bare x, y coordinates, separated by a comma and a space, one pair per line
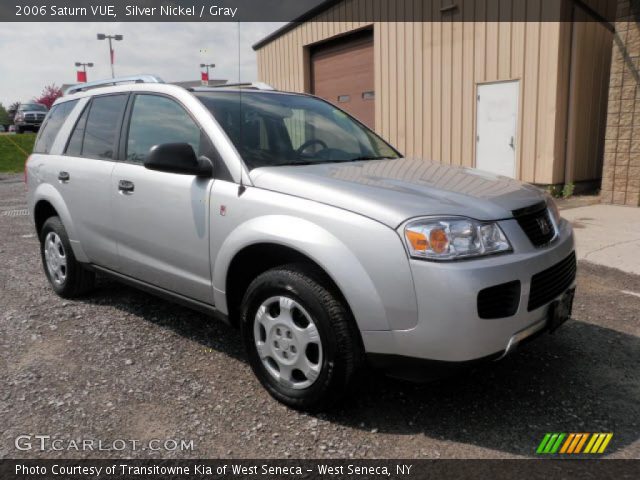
449, 328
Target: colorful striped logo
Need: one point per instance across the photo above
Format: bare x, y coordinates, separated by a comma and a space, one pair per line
573, 443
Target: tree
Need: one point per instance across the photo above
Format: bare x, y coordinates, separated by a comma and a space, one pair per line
12, 111
49, 95
4, 116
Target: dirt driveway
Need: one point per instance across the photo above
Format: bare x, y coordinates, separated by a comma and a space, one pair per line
121, 364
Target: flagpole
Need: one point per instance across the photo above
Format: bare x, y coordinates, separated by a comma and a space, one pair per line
84, 66
111, 58
203, 65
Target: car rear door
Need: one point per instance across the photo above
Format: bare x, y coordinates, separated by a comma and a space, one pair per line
46, 161
162, 219
84, 176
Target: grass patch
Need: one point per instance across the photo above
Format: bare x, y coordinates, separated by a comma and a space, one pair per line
14, 150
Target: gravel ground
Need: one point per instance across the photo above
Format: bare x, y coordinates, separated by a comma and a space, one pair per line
121, 364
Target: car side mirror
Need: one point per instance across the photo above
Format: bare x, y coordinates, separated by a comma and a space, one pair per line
178, 158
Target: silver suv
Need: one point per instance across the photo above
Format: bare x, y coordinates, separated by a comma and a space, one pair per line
283, 215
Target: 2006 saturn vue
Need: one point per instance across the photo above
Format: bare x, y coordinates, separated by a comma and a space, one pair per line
281, 214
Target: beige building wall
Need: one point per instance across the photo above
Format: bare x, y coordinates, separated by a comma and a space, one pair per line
587, 100
426, 74
621, 173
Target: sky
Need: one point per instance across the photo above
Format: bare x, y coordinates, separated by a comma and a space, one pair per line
33, 55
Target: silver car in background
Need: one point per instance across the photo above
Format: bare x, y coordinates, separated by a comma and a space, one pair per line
283, 215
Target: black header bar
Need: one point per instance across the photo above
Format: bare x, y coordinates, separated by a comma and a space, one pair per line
123, 469
306, 10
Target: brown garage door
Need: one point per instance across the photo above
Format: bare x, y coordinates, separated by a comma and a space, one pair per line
342, 72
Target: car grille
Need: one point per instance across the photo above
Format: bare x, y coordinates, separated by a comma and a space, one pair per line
499, 301
550, 283
536, 223
32, 117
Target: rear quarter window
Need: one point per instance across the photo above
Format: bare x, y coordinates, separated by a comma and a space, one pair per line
51, 126
74, 147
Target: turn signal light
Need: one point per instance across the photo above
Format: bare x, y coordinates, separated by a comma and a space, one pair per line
418, 240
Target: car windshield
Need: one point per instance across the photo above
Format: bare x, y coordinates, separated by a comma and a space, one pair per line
33, 107
272, 129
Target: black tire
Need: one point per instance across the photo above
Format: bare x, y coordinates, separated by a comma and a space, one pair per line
19, 130
342, 352
77, 280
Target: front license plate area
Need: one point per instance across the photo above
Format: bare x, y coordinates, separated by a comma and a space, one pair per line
560, 310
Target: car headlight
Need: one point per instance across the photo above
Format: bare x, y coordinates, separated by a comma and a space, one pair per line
454, 237
553, 209
19, 116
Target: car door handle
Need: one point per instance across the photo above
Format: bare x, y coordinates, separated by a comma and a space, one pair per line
63, 176
126, 186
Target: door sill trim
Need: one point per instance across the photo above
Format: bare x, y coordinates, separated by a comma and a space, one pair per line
192, 303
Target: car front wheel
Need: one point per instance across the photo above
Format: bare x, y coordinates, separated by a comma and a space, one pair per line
300, 338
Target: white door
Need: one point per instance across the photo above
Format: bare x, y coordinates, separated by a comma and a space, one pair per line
497, 127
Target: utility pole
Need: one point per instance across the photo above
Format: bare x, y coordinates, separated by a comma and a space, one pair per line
102, 36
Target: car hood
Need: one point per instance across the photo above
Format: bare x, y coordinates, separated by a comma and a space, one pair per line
392, 191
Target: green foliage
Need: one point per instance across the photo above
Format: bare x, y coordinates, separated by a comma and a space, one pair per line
567, 190
554, 190
561, 191
14, 150
4, 116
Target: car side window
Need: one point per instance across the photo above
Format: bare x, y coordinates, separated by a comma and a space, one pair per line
95, 133
155, 120
74, 147
52, 124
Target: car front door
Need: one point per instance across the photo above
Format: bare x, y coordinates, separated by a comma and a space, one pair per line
162, 219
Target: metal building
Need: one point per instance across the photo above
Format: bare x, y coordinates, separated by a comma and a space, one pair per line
527, 99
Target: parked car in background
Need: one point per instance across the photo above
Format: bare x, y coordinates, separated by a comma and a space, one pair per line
285, 216
29, 116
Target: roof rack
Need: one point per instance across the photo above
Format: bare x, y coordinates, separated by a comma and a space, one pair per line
81, 87
249, 85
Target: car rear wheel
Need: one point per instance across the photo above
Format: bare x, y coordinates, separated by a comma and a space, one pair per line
300, 338
68, 277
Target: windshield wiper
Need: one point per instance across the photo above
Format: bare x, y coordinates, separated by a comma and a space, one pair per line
315, 162
356, 159
337, 160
